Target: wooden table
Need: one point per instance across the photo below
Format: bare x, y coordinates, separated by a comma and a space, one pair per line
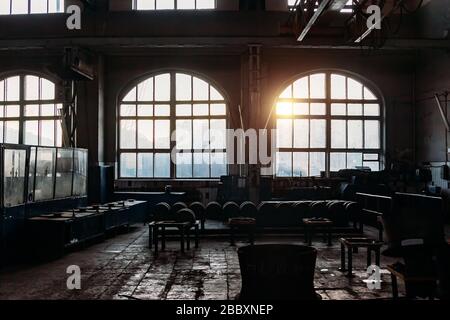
158, 228
236, 224
352, 245
310, 228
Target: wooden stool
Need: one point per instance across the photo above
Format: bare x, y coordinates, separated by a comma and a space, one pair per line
310, 228
352, 245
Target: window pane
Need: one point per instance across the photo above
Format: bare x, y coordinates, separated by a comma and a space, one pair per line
145, 4
184, 134
38, 6
284, 164
162, 87
284, 108
145, 90
374, 166
47, 90
128, 165
145, 165
47, 110
200, 110
145, 110
317, 83
372, 134
354, 160
316, 163
200, 89
218, 164
337, 161
300, 164
371, 157
205, 4
186, 4
284, 133
2, 90
162, 134
19, 7
318, 134
218, 109
128, 134
184, 110
11, 131
318, 109
184, 87
31, 129
201, 165
215, 95
371, 109
355, 89
13, 89
287, 93
162, 110
4, 7
47, 133
218, 134
1, 131
355, 109
55, 6
162, 165
338, 109
131, 96
201, 134
31, 88
354, 134
368, 95
58, 133
128, 110
301, 88
301, 133
338, 134
338, 87
145, 134
165, 4
12, 111
184, 165
301, 109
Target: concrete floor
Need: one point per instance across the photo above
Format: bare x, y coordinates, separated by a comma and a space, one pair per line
123, 267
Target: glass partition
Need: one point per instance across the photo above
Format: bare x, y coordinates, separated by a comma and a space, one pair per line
14, 164
45, 168
64, 173
31, 174
80, 169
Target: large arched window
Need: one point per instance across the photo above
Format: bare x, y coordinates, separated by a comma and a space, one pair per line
327, 122
29, 111
159, 105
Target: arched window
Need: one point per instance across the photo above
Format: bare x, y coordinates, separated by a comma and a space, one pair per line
29, 111
173, 4
327, 122
161, 104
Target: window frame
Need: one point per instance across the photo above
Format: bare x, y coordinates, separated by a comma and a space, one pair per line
328, 117
23, 102
172, 102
